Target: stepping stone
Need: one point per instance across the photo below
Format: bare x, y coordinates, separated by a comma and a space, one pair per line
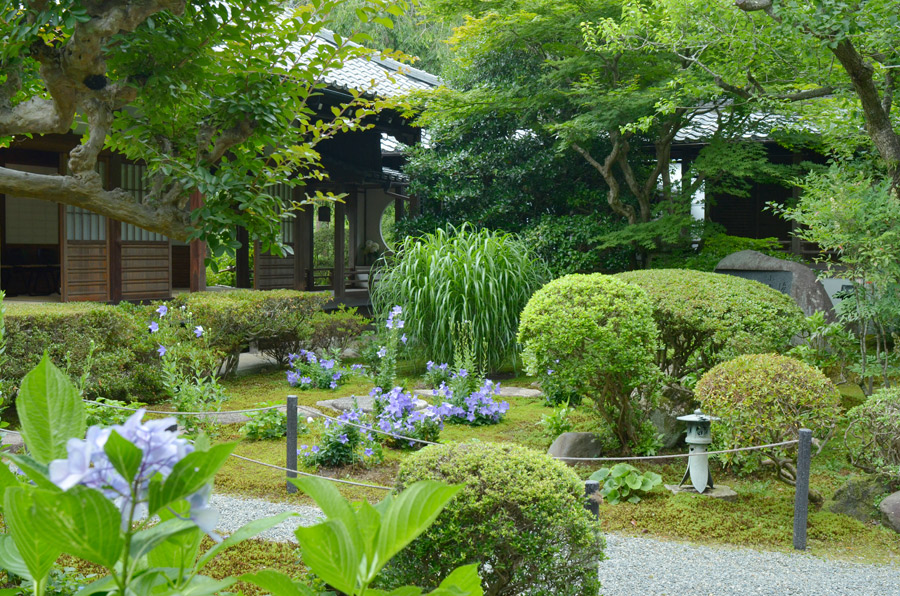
303, 412
721, 492
13, 442
366, 403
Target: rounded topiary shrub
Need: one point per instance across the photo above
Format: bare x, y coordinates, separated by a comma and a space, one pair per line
520, 515
767, 398
873, 434
707, 318
595, 335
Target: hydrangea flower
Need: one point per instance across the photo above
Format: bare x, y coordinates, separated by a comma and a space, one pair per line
88, 465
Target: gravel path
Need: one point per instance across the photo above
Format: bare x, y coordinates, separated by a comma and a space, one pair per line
647, 567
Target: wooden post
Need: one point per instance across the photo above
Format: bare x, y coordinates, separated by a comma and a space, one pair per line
337, 282
114, 234
242, 259
398, 209
591, 488
801, 492
291, 461
353, 232
198, 252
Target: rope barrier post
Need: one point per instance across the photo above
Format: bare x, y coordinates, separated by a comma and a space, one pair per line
291, 442
801, 493
591, 488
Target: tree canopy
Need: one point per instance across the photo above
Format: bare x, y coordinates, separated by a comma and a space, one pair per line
215, 97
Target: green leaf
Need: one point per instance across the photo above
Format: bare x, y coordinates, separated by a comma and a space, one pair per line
124, 456
50, 410
462, 581
410, 514
143, 542
81, 522
10, 559
35, 548
33, 470
600, 475
328, 550
7, 480
277, 583
633, 481
188, 476
100, 586
245, 532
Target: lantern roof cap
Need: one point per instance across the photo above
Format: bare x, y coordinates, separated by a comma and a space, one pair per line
698, 416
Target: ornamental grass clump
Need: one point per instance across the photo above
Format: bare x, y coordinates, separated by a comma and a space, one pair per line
764, 399
309, 371
396, 413
520, 515
594, 336
455, 275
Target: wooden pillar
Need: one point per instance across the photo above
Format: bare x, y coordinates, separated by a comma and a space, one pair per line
114, 234
198, 252
398, 209
242, 259
353, 232
303, 221
337, 280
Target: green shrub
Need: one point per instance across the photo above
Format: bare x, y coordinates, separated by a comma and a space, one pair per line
335, 330
120, 365
594, 335
624, 482
461, 274
707, 318
767, 398
279, 319
715, 247
875, 432
268, 424
520, 515
569, 243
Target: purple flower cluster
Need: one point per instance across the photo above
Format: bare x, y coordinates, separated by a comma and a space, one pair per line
342, 443
311, 372
475, 409
88, 465
397, 414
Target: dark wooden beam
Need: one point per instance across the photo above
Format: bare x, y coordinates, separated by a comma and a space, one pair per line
337, 282
114, 233
198, 252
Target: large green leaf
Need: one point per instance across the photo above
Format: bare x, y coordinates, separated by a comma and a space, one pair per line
33, 470
146, 540
181, 550
124, 456
463, 581
50, 411
10, 559
34, 547
81, 522
245, 532
188, 476
328, 550
277, 583
7, 480
410, 514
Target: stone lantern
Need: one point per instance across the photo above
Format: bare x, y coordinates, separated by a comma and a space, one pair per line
698, 437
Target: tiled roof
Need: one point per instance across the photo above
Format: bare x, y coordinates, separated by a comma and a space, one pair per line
381, 77
703, 127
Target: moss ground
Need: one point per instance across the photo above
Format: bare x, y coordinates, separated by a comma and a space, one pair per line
762, 516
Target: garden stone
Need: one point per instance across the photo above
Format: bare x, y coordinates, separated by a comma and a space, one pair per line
366, 403
858, 496
576, 445
518, 392
720, 492
890, 510
791, 278
677, 401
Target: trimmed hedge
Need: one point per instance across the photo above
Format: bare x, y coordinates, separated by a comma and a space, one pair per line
768, 398
279, 319
121, 364
593, 335
707, 318
520, 515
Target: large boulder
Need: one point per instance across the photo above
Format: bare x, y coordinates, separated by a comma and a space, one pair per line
576, 445
858, 496
890, 511
789, 277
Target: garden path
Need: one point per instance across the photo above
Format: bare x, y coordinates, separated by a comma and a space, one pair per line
647, 567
